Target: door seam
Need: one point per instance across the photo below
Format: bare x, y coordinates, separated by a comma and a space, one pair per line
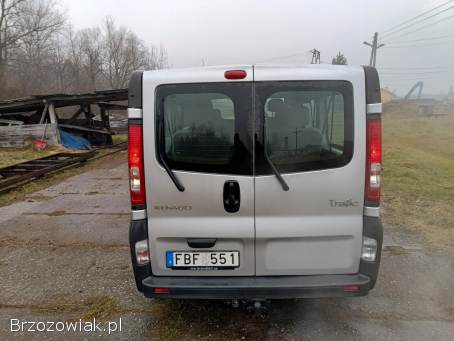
253, 165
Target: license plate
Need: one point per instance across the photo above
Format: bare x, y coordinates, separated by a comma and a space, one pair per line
194, 260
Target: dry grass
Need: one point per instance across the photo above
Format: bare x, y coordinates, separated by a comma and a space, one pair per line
11, 156
118, 138
213, 320
102, 308
21, 192
418, 180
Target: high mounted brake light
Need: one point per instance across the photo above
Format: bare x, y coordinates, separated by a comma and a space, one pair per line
135, 162
235, 74
373, 160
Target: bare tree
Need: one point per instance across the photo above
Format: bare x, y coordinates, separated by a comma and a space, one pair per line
157, 58
40, 53
74, 59
92, 59
126, 52
114, 53
59, 58
26, 25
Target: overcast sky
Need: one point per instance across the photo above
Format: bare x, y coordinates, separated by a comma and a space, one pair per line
248, 31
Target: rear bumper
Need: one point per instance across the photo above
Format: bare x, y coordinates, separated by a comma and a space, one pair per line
257, 287
277, 287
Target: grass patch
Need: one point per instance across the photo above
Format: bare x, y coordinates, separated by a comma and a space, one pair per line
22, 191
102, 308
213, 320
418, 178
118, 138
11, 156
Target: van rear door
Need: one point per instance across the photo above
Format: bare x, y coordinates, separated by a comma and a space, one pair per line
311, 128
197, 129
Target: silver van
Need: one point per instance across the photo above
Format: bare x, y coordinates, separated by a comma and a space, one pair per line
255, 182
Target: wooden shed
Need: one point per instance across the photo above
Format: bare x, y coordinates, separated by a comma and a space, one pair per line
23, 120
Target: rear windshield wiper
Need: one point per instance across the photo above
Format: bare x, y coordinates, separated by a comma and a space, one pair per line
169, 171
172, 175
276, 172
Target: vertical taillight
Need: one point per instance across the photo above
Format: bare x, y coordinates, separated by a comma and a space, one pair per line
373, 161
135, 162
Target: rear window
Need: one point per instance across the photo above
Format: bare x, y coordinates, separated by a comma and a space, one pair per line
209, 127
203, 127
306, 125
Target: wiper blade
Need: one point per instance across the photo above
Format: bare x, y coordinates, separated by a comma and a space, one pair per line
276, 173
169, 171
172, 175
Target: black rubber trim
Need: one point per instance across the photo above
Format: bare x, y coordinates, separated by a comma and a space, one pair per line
135, 90
373, 93
373, 116
135, 121
368, 203
139, 207
138, 230
269, 287
372, 228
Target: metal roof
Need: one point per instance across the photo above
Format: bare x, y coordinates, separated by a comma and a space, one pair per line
37, 102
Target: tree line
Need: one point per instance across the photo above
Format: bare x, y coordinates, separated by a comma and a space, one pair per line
41, 53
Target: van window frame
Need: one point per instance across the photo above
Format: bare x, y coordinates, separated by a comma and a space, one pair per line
243, 124
264, 89
253, 123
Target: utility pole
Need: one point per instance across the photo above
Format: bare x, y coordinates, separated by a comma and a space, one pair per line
374, 45
315, 56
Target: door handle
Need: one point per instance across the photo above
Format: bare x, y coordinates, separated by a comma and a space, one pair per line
231, 196
201, 243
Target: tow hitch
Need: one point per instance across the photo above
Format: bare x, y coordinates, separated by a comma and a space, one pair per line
257, 306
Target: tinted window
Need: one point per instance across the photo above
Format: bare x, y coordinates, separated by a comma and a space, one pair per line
204, 127
305, 125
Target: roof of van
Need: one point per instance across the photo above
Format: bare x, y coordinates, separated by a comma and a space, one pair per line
261, 72
328, 67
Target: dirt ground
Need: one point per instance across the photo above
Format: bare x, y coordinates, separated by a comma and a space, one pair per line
64, 257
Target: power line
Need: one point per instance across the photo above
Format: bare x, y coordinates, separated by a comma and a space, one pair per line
422, 39
400, 46
417, 68
423, 27
417, 73
418, 16
394, 79
417, 22
390, 81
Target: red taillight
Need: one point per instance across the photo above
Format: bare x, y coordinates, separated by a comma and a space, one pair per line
161, 290
373, 160
135, 161
235, 74
351, 288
